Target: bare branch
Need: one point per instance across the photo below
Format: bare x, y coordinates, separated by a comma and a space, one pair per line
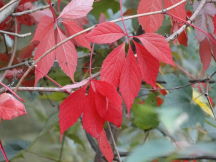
15, 34
30, 11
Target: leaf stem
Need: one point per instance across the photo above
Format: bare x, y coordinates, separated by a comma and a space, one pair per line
10, 90
122, 18
90, 62
3, 152
62, 148
114, 143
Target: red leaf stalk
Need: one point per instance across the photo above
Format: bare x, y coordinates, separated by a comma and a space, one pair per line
3, 152
121, 13
9, 89
90, 64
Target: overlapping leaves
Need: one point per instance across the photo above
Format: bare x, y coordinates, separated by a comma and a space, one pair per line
96, 105
49, 34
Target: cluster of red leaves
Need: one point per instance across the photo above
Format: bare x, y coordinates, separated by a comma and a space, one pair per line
95, 105
119, 70
49, 34
100, 102
127, 71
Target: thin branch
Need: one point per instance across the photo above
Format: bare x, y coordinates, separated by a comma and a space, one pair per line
113, 141
26, 63
208, 99
66, 89
62, 148
83, 82
15, 34
3, 152
90, 28
30, 11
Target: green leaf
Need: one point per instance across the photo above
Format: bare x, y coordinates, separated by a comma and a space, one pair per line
151, 150
55, 96
144, 117
13, 148
181, 100
207, 148
102, 7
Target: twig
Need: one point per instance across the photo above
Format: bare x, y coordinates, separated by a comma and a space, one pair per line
30, 11
90, 28
8, 9
207, 94
27, 63
66, 89
113, 141
79, 84
15, 34
3, 152
62, 148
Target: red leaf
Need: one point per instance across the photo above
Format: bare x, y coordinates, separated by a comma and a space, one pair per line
153, 22
105, 146
24, 1
71, 109
205, 53
107, 32
107, 101
130, 80
76, 9
66, 55
157, 46
112, 65
178, 11
72, 28
149, 66
10, 107
92, 122
182, 38
45, 34
43, 27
